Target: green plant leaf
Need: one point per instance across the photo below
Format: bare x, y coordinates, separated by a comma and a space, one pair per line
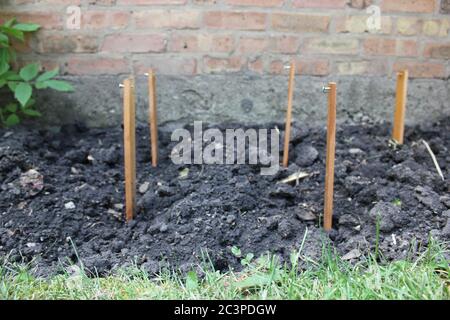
23, 92
4, 39
10, 22
11, 76
27, 27
47, 75
4, 56
29, 104
12, 120
12, 85
29, 72
191, 281
4, 67
13, 33
40, 85
59, 85
11, 107
32, 112
236, 251
2, 83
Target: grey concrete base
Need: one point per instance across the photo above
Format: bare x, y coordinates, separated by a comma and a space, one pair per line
245, 98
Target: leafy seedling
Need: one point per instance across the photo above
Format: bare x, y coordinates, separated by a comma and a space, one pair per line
19, 84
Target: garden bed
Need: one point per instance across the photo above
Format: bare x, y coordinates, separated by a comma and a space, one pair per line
70, 205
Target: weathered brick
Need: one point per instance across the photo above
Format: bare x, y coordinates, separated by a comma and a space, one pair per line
53, 2
201, 43
331, 46
313, 67
437, 50
320, 3
360, 4
415, 6
95, 65
421, 69
358, 24
70, 43
134, 43
380, 46
235, 20
162, 19
372, 67
255, 3
436, 27
407, 48
252, 45
409, 26
445, 6
293, 22
150, 2
47, 20
213, 65
105, 19
304, 66
256, 65
284, 44
166, 65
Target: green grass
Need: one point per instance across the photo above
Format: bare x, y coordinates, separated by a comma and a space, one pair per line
426, 277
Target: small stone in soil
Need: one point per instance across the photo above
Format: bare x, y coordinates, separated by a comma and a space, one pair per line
69, 205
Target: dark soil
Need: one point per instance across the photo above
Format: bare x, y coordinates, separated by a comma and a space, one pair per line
74, 200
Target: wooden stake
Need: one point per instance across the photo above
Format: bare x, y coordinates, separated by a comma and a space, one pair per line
287, 132
331, 147
153, 116
129, 137
400, 107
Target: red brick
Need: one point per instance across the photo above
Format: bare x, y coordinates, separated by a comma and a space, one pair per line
235, 20
134, 43
162, 19
213, 65
256, 65
166, 65
47, 20
184, 43
305, 66
421, 69
314, 67
255, 3
364, 67
380, 47
437, 50
320, 3
407, 48
416, 6
293, 22
285, 44
150, 2
360, 4
331, 46
105, 19
252, 45
70, 43
96, 66
201, 43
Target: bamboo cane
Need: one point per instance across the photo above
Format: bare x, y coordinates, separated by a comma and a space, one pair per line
287, 132
129, 116
331, 147
400, 107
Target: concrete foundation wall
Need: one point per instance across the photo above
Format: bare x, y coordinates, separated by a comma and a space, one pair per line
249, 98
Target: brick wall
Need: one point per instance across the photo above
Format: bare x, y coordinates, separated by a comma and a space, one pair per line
188, 37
